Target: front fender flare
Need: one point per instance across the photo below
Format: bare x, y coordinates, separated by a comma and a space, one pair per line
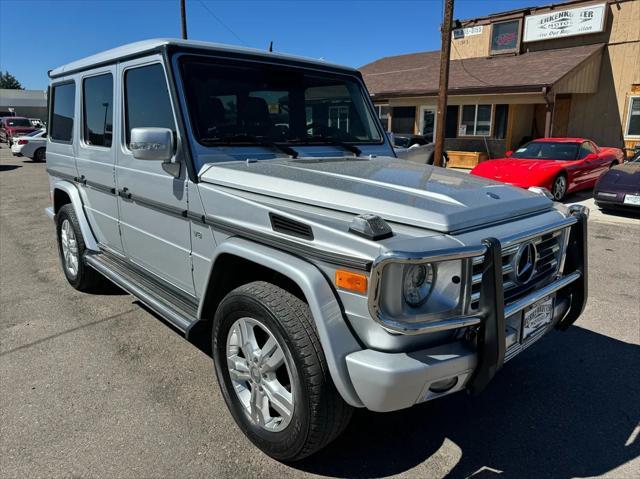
74, 195
336, 339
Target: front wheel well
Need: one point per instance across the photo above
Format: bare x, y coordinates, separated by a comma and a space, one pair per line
60, 198
230, 272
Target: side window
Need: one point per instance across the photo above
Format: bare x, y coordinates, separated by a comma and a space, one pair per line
62, 112
585, 149
147, 102
97, 104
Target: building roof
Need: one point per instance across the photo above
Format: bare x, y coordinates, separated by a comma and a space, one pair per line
22, 98
149, 46
417, 74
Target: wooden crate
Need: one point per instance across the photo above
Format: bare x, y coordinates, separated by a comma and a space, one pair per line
465, 159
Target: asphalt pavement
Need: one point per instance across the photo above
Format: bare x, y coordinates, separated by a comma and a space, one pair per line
96, 386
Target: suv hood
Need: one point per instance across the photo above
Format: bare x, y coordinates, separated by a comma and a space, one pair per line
399, 191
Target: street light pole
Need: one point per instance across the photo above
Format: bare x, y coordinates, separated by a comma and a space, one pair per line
445, 54
183, 18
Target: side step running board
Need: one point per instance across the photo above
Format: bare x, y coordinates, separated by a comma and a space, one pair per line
179, 311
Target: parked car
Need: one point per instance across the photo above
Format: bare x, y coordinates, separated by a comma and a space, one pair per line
561, 165
4, 113
619, 188
414, 148
11, 126
36, 122
32, 145
322, 273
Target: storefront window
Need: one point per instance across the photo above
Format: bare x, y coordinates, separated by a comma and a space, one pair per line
403, 119
383, 115
633, 122
475, 120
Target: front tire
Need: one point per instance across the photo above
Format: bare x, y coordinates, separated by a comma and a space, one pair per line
273, 373
559, 187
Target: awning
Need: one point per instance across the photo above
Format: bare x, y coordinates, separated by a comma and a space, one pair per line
565, 70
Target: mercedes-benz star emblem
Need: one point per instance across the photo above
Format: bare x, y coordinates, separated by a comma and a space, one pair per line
524, 262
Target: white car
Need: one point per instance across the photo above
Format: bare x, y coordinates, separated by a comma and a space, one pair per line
32, 145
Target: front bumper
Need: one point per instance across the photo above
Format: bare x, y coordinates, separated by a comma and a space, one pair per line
391, 381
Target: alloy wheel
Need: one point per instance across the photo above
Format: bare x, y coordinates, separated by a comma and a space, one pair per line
261, 374
559, 188
69, 248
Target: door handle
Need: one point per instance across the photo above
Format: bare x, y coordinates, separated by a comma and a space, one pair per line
124, 193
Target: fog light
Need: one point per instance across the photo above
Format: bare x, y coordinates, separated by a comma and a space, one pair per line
444, 385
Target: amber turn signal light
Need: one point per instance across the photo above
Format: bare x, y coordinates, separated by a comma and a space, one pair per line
350, 281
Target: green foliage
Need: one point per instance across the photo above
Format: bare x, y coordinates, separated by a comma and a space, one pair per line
8, 81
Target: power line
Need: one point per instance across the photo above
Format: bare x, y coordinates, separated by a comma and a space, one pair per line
204, 5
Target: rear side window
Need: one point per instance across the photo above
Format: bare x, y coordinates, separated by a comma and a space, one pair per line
98, 110
147, 102
62, 112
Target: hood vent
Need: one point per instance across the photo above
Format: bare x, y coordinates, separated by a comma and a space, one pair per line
290, 227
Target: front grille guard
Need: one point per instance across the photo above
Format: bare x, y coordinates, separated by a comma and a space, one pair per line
490, 317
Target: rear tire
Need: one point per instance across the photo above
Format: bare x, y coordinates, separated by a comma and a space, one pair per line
314, 413
71, 249
559, 187
39, 155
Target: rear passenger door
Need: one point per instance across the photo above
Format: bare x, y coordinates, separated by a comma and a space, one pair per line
156, 234
95, 157
62, 129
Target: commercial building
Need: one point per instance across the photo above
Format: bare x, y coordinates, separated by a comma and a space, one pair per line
569, 69
27, 103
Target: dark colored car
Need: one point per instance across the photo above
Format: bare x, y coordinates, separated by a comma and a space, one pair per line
619, 188
11, 126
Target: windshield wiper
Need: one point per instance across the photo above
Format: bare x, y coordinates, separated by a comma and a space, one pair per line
330, 141
251, 140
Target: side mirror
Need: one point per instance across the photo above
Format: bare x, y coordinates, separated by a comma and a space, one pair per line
591, 157
508, 153
155, 144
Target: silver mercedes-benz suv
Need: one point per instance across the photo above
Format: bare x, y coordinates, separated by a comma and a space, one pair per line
253, 201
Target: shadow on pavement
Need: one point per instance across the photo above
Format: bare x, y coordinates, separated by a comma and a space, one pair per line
9, 167
566, 407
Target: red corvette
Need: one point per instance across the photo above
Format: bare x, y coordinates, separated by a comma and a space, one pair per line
562, 165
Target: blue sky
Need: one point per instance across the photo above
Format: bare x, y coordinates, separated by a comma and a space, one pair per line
37, 35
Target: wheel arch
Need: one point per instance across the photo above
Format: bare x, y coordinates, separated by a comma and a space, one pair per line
65, 192
296, 276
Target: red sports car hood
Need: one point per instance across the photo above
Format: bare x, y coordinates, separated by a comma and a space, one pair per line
520, 172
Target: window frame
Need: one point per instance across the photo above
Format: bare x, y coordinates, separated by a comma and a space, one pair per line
628, 119
52, 100
82, 109
516, 49
475, 120
123, 103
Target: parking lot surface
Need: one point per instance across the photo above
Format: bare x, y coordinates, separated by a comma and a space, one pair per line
96, 386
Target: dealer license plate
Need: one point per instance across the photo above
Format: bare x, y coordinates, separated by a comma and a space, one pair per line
536, 316
632, 200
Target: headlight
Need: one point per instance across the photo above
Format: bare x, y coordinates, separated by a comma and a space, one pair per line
417, 283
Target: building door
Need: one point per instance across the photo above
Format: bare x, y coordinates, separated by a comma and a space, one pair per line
428, 122
561, 110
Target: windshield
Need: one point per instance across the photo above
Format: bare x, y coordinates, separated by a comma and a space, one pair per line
246, 104
547, 150
17, 122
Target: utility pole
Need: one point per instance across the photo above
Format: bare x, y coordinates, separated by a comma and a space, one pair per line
183, 18
445, 54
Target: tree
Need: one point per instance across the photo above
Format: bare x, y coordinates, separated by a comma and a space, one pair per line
8, 81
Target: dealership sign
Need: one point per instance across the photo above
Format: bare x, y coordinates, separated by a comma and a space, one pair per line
564, 23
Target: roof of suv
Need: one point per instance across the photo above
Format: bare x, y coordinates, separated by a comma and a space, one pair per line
148, 46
